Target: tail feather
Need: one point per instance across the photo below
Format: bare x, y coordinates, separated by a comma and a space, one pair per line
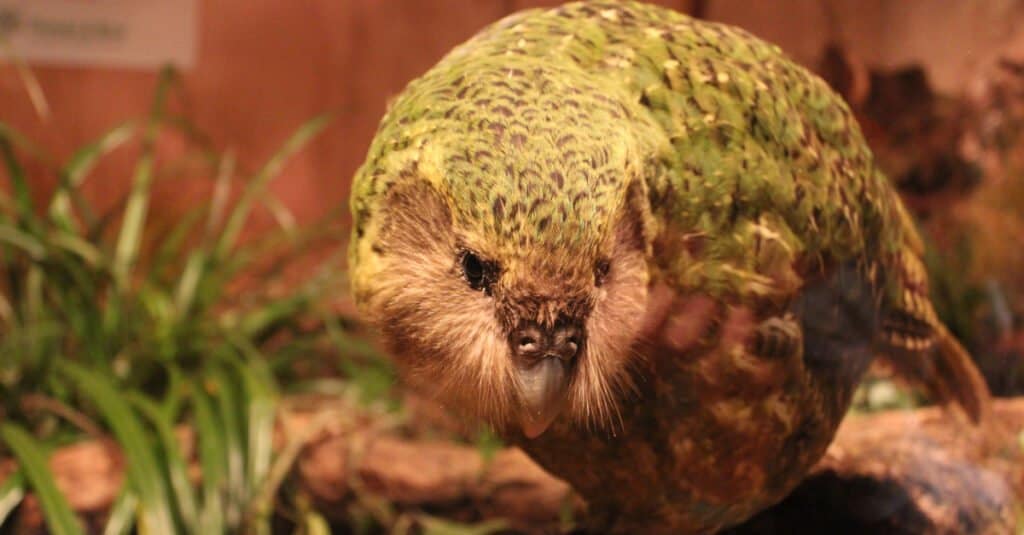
923, 351
943, 368
957, 379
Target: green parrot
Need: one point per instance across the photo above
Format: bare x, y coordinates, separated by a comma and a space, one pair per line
650, 250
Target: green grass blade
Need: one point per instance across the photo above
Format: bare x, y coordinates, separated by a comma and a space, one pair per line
79, 166
83, 249
19, 183
34, 311
212, 460
257, 323
11, 493
189, 295
143, 468
282, 215
227, 396
173, 243
259, 401
176, 392
60, 519
130, 235
184, 295
22, 240
193, 135
261, 407
221, 191
122, 514
177, 468
85, 158
28, 79
240, 213
19, 141
198, 261
262, 503
97, 228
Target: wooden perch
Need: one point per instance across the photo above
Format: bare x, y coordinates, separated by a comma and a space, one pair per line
900, 472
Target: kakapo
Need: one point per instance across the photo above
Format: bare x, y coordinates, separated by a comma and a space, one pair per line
650, 250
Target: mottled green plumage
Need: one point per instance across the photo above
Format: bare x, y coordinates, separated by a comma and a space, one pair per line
735, 143
557, 141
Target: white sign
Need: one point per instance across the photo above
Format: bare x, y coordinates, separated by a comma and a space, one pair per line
117, 33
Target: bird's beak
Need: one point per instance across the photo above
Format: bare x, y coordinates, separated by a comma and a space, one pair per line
542, 386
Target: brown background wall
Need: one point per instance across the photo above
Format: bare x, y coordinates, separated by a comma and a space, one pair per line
264, 66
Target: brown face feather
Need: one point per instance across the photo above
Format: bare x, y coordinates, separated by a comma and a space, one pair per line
454, 339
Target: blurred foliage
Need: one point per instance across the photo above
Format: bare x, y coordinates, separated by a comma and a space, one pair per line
978, 238
112, 324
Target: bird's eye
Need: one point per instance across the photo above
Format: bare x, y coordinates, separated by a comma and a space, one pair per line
480, 274
601, 269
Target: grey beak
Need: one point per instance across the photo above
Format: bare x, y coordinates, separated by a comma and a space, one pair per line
542, 387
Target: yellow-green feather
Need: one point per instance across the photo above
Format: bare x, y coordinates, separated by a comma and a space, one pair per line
738, 146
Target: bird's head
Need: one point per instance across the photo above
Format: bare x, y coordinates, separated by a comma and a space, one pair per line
503, 257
